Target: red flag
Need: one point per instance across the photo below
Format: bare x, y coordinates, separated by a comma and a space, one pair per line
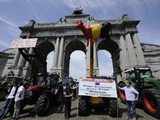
86, 29
91, 31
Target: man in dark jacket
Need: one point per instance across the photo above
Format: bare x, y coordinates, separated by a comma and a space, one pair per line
67, 100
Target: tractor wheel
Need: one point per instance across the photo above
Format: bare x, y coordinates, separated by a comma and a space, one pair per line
2, 94
42, 105
83, 109
113, 108
151, 105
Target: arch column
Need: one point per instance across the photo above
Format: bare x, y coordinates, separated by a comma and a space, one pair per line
27, 70
61, 55
55, 66
21, 64
95, 57
96, 67
123, 58
130, 51
66, 65
138, 49
16, 58
88, 58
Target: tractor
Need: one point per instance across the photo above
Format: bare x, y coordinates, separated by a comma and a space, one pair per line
107, 104
45, 96
92, 32
45, 90
148, 87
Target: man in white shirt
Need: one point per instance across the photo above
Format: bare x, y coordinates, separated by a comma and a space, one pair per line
131, 97
19, 100
9, 105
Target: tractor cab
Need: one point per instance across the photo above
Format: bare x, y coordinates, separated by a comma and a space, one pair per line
148, 87
138, 72
141, 77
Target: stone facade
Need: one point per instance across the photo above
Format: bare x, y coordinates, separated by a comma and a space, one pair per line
5, 62
152, 57
64, 38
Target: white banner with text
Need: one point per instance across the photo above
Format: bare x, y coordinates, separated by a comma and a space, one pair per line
24, 43
98, 88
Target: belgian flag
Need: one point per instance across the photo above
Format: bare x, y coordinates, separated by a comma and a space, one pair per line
94, 31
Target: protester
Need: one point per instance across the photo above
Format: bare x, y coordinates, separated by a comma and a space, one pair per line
67, 100
19, 100
131, 97
9, 104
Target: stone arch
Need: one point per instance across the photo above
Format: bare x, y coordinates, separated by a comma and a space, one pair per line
46, 47
71, 47
42, 50
112, 47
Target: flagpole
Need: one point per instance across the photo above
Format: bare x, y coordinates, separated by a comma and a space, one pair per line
91, 58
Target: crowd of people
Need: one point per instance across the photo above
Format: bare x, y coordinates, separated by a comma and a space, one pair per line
14, 102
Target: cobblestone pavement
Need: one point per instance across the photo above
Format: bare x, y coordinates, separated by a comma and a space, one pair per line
60, 116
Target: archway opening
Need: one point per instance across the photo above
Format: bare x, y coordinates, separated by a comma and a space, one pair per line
50, 61
45, 52
77, 64
74, 58
111, 48
105, 63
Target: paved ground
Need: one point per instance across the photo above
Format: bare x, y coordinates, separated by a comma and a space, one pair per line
60, 116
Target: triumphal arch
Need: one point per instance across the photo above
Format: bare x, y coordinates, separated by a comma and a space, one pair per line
63, 37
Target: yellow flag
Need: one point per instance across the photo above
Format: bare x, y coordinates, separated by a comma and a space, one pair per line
96, 31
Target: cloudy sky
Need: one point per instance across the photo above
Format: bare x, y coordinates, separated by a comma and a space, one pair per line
14, 13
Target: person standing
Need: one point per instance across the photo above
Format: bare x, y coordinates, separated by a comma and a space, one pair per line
131, 98
19, 97
67, 100
9, 104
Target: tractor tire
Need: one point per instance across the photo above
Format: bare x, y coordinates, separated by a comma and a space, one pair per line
113, 108
3, 93
83, 109
151, 104
42, 105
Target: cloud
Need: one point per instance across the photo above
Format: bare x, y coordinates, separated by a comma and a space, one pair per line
8, 22
3, 44
106, 3
33, 9
87, 4
6, 0
113, 7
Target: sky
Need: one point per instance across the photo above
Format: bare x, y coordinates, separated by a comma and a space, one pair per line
14, 13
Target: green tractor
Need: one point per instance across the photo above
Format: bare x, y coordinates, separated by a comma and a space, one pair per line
148, 87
